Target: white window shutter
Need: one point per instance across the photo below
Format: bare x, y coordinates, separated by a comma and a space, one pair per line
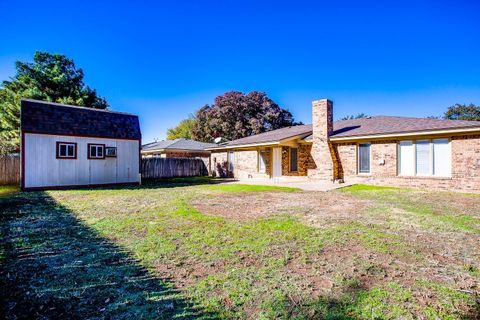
442, 158
406, 159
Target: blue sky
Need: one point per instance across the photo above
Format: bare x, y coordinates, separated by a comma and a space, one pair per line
164, 59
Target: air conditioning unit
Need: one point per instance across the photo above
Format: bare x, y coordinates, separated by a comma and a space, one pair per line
111, 152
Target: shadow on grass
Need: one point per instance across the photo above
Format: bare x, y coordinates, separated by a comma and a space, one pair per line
54, 266
167, 183
181, 182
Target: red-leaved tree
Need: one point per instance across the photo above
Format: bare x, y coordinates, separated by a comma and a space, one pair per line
235, 115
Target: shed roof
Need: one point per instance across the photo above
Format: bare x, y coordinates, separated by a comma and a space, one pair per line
178, 144
61, 119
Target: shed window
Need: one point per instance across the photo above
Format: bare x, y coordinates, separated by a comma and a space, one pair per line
66, 150
262, 160
293, 159
96, 151
364, 158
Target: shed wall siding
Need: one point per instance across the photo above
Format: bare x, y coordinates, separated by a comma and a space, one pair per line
43, 169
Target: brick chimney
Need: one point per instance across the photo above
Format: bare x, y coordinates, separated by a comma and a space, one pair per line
322, 151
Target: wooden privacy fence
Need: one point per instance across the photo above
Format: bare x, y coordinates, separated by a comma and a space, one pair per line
9, 169
157, 167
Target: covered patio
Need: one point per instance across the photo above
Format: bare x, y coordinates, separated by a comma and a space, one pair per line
303, 183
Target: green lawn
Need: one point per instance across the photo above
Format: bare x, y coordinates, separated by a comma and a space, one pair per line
5, 190
149, 252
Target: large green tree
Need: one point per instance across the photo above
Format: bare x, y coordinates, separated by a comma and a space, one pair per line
357, 116
463, 112
183, 129
50, 77
235, 115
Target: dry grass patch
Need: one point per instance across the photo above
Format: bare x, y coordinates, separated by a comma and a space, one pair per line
233, 251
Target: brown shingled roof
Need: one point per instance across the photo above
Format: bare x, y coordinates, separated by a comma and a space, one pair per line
272, 136
60, 119
360, 127
178, 144
392, 125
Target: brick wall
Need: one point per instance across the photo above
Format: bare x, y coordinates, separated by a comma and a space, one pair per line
465, 166
305, 161
219, 164
245, 164
322, 151
466, 157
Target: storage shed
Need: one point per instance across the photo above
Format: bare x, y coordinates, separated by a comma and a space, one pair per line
65, 146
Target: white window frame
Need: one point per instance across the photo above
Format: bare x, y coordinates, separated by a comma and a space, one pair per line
431, 158
66, 156
259, 154
97, 147
231, 161
369, 156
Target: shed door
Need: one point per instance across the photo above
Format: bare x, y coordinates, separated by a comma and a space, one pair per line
277, 163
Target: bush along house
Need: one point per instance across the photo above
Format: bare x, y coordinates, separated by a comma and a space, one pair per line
381, 150
66, 146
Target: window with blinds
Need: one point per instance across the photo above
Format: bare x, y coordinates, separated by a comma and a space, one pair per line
442, 163
364, 158
262, 160
406, 159
424, 158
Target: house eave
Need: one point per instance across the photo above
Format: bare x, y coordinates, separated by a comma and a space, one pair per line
459, 131
262, 144
241, 146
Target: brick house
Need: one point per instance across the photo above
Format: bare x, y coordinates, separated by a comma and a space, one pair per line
383, 150
178, 148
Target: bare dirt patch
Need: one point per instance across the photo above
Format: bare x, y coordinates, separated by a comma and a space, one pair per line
441, 255
318, 208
